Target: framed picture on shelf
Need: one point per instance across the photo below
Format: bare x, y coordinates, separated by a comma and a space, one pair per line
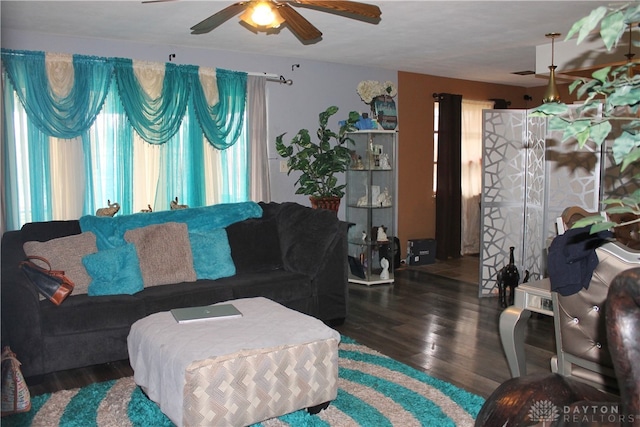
385, 109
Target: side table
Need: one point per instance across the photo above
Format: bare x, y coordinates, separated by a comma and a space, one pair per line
531, 296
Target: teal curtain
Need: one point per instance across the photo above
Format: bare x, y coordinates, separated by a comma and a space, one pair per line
176, 163
222, 123
39, 168
62, 117
51, 115
110, 148
108, 86
197, 192
184, 178
33, 191
87, 151
155, 120
235, 158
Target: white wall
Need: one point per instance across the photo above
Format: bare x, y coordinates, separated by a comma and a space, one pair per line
316, 85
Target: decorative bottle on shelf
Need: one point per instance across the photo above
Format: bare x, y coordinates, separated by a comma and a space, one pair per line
508, 277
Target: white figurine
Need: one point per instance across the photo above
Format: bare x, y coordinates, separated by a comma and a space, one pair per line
384, 199
384, 161
382, 236
384, 263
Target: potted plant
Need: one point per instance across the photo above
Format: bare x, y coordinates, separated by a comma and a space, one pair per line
320, 162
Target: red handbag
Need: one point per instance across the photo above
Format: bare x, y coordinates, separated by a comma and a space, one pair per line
52, 284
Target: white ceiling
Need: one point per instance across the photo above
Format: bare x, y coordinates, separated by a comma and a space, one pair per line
472, 40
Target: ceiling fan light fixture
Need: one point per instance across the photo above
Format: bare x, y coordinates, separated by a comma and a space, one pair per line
262, 15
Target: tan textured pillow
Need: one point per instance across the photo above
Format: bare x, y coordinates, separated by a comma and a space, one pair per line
164, 252
65, 253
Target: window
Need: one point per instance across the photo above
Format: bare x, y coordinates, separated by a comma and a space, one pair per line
157, 173
97, 112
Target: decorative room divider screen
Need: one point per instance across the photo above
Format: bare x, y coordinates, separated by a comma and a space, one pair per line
529, 178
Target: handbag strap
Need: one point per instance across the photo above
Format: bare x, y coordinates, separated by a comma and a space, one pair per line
32, 264
7, 354
39, 258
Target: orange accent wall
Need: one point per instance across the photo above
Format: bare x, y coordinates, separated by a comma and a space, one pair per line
416, 203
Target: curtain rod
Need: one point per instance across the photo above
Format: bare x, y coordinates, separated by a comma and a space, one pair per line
273, 78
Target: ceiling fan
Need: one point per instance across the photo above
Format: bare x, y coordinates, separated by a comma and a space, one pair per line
268, 14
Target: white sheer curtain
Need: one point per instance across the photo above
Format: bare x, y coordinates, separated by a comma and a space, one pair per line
471, 173
67, 163
67, 177
258, 157
145, 173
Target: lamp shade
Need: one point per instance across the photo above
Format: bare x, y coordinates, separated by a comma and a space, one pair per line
551, 94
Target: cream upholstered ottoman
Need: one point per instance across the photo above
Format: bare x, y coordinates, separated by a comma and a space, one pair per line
235, 371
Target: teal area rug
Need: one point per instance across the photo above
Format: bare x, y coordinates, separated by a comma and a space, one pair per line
373, 390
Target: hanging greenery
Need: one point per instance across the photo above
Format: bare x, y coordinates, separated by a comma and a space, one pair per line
612, 94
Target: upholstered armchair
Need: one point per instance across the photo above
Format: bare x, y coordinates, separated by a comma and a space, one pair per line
556, 400
581, 340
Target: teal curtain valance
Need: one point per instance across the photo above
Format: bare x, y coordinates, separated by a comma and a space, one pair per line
155, 119
222, 122
60, 116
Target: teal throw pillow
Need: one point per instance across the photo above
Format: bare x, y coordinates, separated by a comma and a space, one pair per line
114, 271
212, 254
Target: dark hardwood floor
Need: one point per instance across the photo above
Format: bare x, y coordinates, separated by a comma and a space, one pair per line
433, 323
440, 326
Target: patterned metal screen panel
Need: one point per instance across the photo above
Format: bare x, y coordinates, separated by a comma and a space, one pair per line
573, 178
534, 208
504, 191
529, 178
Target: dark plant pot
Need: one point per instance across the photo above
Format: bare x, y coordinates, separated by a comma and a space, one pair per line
329, 203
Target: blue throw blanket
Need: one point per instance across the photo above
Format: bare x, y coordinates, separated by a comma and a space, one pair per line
110, 231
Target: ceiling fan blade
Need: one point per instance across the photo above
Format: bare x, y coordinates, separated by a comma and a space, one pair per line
219, 18
302, 28
157, 1
353, 7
